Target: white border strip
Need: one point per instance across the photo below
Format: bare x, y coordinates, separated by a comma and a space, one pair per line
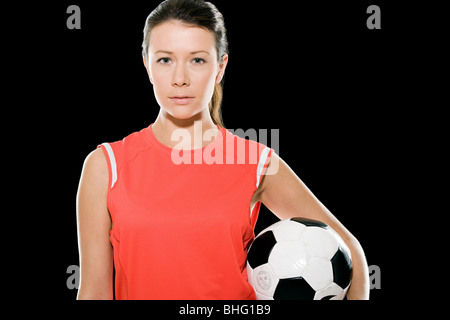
112, 160
261, 163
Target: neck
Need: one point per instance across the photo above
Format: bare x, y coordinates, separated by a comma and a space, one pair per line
184, 133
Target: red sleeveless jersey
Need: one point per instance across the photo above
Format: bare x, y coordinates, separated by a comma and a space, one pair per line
182, 221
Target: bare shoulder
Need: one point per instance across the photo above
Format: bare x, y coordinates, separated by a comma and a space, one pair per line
95, 163
95, 176
96, 159
93, 190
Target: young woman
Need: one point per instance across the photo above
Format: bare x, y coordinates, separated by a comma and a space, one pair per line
173, 206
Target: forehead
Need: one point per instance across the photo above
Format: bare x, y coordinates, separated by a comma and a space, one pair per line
175, 36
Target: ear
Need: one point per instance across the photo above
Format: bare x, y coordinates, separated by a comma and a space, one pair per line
148, 70
222, 67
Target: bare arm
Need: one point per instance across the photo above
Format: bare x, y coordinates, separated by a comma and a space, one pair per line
94, 223
287, 196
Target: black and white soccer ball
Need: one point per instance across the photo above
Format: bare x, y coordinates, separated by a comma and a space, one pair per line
299, 259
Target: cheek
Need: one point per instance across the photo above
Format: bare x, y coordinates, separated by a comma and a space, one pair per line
160, 88
161, 85
160, 79
204, 84
208, 88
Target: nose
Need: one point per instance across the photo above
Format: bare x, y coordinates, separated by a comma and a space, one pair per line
180, 77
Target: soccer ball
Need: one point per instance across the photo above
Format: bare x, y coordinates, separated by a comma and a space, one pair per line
299, 259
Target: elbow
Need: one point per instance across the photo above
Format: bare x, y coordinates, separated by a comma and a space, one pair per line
360, 288
353, 242
356, 249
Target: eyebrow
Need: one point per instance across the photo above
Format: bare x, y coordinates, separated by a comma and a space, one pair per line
170, 52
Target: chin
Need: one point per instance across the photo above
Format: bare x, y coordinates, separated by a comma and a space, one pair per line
183, 113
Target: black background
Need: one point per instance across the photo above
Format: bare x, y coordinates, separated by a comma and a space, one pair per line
341, 96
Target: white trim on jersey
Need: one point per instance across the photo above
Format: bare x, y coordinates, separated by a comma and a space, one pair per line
261, 163
251, 209
259, 170
112, 161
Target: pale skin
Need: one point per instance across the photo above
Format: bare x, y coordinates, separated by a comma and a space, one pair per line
183, 62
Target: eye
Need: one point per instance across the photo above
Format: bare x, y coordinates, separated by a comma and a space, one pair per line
198, 61
164, 60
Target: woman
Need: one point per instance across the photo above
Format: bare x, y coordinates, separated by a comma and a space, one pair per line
174, 205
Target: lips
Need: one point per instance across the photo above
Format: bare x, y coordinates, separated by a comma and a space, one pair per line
181, 99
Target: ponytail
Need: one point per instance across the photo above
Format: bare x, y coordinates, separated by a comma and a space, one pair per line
215, 105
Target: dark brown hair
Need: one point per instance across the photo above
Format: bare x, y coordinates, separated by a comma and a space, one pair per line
198, 13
